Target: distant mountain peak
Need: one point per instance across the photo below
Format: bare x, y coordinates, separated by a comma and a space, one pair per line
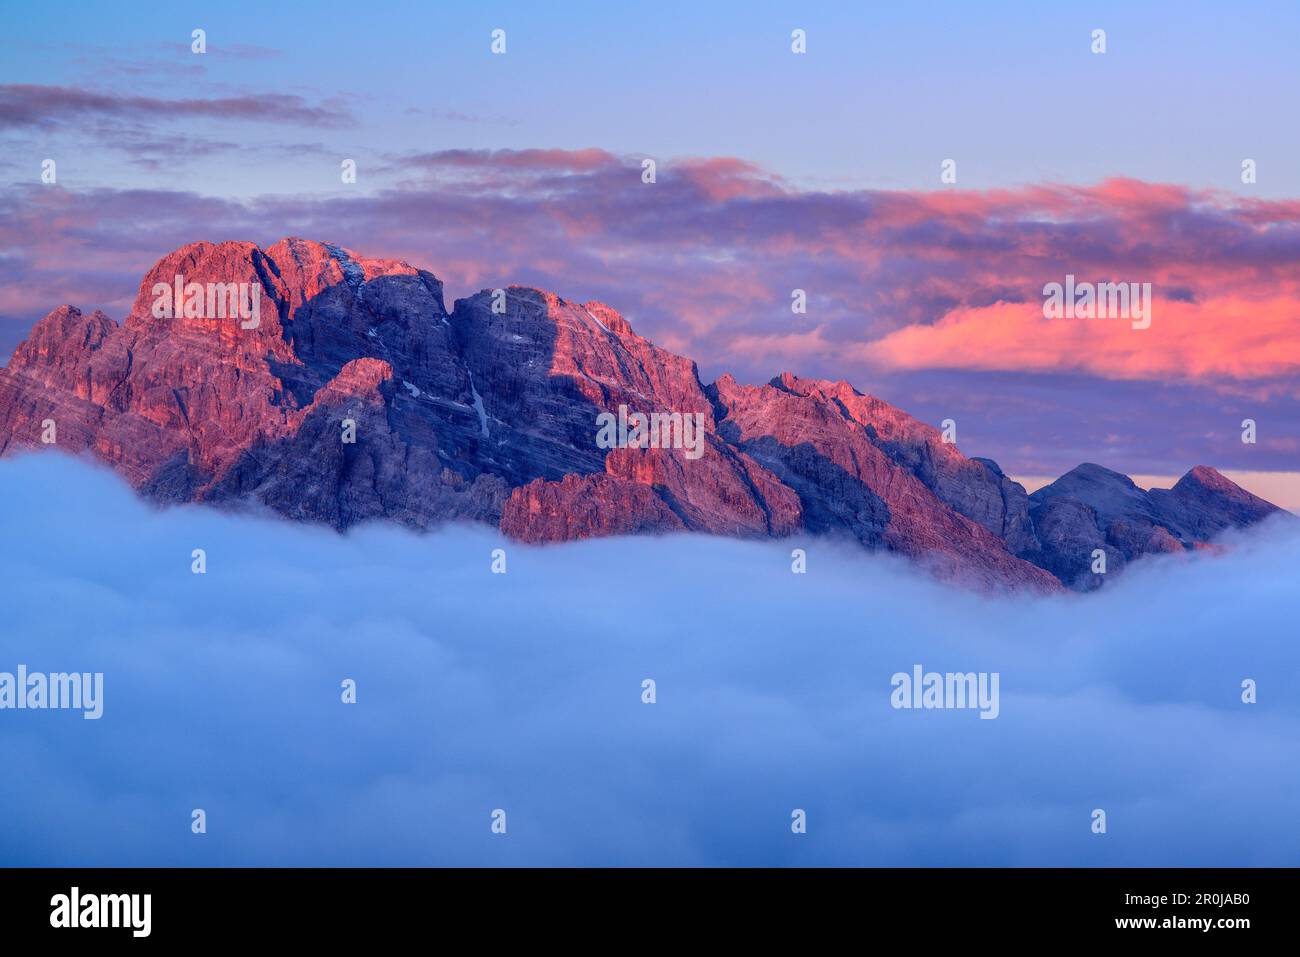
1092, 507
1210, 478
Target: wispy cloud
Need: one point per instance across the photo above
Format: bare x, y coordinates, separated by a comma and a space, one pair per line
34, 105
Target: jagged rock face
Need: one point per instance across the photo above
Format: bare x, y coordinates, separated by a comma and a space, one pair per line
1092, 507
812, 437
1203, 503
586, 506
205, 409
1011, 522
490, 413
724, 492
975, 488
544, 369
1069, 535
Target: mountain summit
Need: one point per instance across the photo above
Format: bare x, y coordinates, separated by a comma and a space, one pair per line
354, 394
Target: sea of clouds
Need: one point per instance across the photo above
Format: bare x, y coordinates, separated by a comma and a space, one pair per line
522, 691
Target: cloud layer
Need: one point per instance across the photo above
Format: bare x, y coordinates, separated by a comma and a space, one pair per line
522, 691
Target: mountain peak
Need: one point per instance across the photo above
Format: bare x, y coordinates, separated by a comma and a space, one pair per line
1092, 472
1092, 507
823, 388
1210, 478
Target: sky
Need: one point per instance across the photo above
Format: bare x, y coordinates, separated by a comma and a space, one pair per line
776, 171
222, 692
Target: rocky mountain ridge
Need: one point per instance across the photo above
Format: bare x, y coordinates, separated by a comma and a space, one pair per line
488, 413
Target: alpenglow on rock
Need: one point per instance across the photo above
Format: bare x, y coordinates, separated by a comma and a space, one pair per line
357, 395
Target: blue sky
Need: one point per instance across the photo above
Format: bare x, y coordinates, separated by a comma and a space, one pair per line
886, 91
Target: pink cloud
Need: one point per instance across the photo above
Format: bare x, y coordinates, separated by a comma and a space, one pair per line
706, 259
1224, 336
